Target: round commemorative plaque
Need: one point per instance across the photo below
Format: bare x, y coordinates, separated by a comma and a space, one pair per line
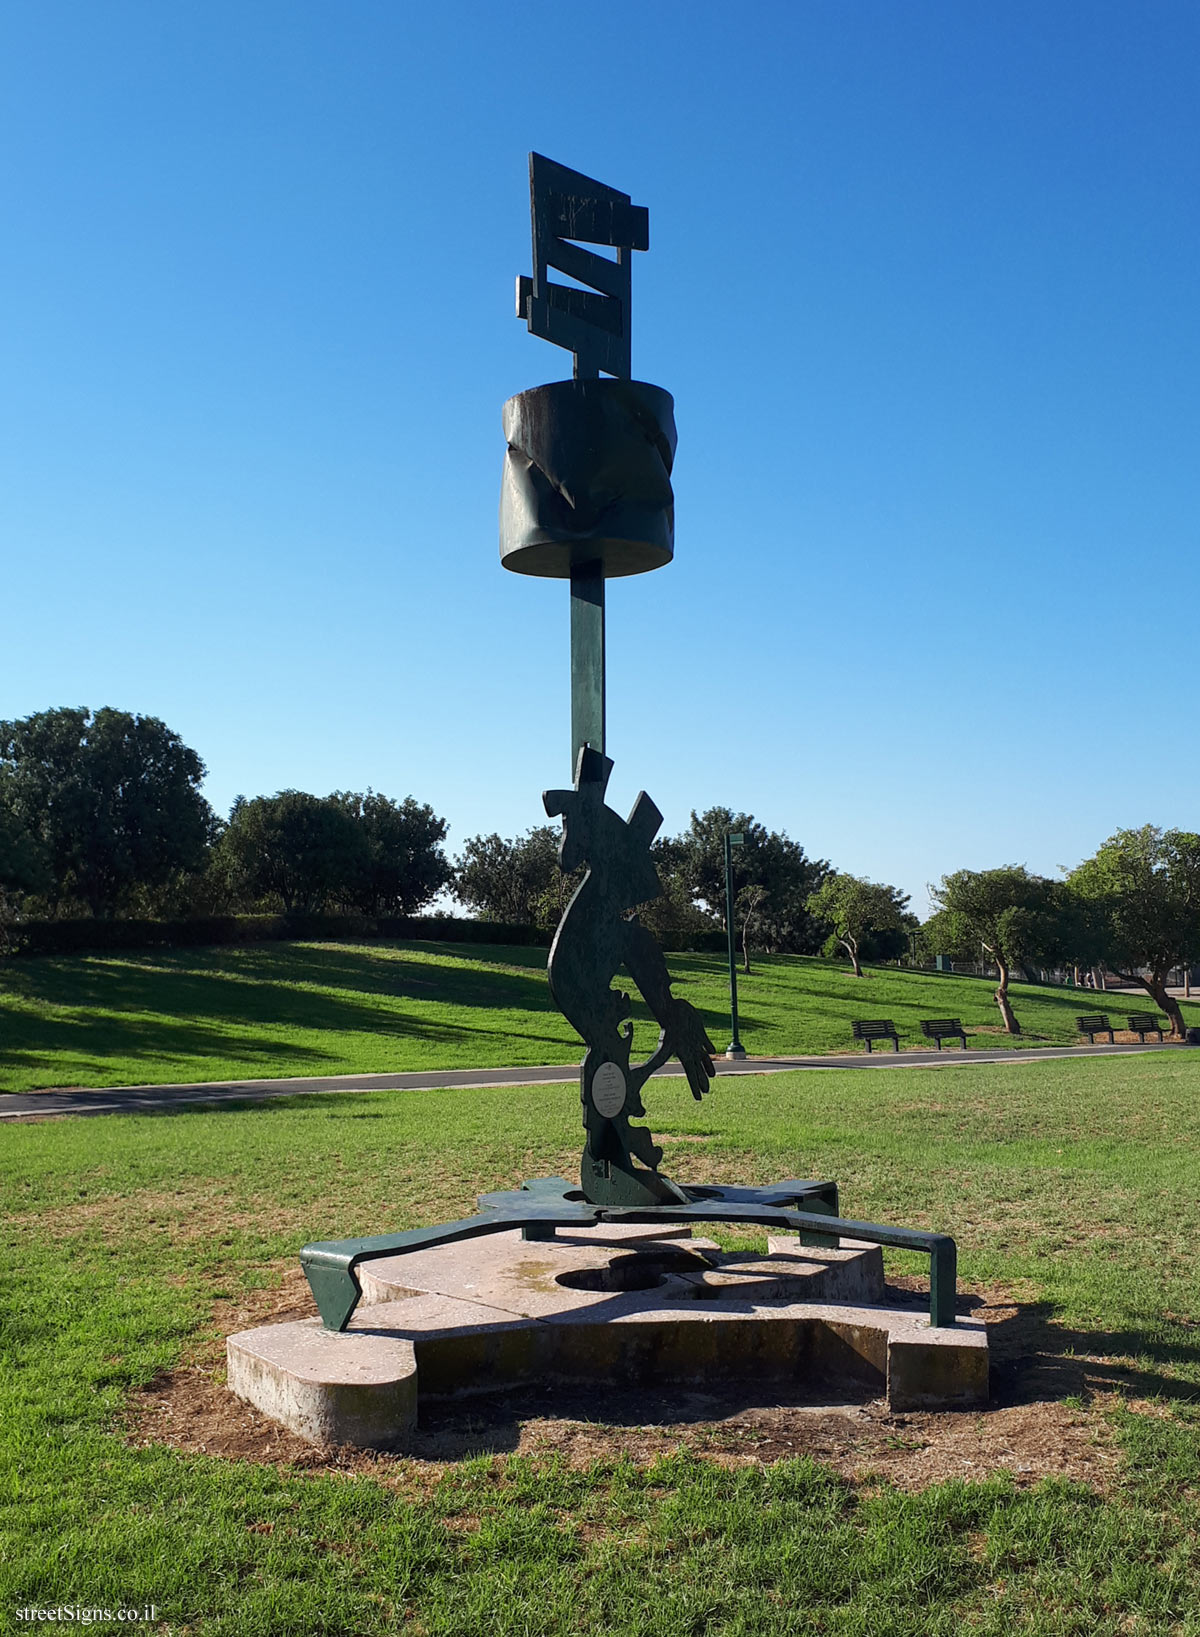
608, 1090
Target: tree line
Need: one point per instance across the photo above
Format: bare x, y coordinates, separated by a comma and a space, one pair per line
102, 814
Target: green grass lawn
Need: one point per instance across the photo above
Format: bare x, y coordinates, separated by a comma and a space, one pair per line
128, 1242
276, 1010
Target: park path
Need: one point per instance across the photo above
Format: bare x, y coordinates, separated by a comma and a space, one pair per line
39, 1105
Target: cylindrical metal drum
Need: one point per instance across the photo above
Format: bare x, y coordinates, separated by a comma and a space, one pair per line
587, 478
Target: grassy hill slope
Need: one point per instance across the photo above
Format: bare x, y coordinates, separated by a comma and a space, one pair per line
271, 1011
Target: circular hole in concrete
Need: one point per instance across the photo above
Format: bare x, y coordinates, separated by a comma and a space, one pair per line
637, 1272
611, 1278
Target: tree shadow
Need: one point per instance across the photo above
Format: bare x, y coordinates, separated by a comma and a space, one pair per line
182, 1006
191, 1025
281, 983
532, 957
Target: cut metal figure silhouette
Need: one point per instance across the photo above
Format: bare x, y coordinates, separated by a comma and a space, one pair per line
596, 938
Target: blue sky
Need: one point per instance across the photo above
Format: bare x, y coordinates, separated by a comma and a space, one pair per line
922, 280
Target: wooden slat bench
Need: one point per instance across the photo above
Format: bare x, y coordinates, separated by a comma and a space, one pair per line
1092, 1026
878, 1028
1144, 1023
943, 1028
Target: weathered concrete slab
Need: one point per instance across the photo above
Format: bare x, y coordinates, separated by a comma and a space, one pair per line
352, 1389
461, 1347
541, 1277
933, 1370
531, 1277
501, 1312
852, 1273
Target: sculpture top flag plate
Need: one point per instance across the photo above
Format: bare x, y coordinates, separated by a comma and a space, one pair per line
594, 323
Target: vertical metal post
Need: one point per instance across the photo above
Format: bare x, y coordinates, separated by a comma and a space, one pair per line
587, 659
943, 1281
736, 1049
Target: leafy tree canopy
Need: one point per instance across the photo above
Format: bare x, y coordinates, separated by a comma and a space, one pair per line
402, 866
1141, 890
517, 880
674, 918
23, 863
98, 805
293, 848
1008, 911
773, 878
856, 908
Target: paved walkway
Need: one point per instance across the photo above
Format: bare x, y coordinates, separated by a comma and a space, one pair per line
35, 1105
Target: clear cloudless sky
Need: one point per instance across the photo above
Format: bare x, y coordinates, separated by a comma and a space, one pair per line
922, 279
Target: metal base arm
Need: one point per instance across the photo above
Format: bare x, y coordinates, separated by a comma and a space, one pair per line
539, 1208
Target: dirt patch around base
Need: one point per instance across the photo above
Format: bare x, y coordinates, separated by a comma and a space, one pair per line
1048, 1415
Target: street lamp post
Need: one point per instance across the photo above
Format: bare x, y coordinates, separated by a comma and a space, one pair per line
736, 1049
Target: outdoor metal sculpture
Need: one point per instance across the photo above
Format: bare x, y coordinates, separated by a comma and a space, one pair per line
596, 937
586, 496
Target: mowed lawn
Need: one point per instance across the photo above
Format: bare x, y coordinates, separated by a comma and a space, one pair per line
277, 1010
132, 1244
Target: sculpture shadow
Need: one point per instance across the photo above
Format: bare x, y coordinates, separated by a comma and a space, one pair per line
494, 1423
1037, 1359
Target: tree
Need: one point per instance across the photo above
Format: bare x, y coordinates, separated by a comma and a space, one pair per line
855, 908
1142, 892
293, 848
1008, 911
109, 802
23, 866
773, 879
673, 919
403, 865
519, 881
23, 863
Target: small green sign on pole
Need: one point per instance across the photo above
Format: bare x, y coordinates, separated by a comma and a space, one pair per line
732, 839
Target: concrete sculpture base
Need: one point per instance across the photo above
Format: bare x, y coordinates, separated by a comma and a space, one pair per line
610, 1306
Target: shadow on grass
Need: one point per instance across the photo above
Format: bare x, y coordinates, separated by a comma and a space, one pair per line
530, 957
281, 984
1035, 1357
88, 1045
494, 1423
286, 984
206, 1004
1034, 1360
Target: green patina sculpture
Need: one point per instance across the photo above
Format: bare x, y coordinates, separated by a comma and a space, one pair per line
596, 938
587, 497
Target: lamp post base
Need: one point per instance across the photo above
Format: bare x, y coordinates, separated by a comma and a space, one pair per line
735, 1052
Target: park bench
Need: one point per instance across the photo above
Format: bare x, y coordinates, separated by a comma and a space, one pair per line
1092, 1026
943, 1028
1144, 1023
877, 1028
